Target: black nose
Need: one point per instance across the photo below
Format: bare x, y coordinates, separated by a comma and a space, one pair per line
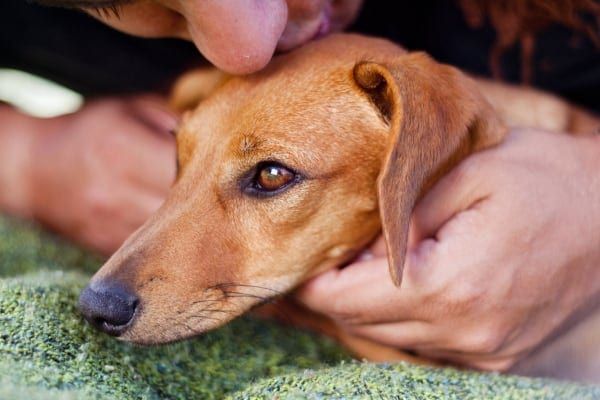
108, 307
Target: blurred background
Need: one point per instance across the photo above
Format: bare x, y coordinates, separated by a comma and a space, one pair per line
35, 95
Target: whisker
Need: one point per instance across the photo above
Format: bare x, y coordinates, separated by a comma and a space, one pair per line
282, 312
224, 285
271, 296
241, 294
217, 310
202, 301
203, 317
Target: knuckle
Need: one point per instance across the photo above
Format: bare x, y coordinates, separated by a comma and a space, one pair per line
487, 343
483, 341
463, 297
346, 317
502, 366
468, 295
98, 201
313, 294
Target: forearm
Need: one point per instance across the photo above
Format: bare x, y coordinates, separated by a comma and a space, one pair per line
16, 143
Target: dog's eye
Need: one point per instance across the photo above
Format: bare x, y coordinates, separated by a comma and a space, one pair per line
271, 178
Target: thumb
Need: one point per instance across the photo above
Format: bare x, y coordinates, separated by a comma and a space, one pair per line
459, 190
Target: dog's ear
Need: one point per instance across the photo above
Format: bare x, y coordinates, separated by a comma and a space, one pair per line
436, 117
194, 86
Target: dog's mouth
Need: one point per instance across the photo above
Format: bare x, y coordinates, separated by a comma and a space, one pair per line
111, 329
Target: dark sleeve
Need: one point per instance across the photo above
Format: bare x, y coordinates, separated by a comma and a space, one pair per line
565, 62
79, 52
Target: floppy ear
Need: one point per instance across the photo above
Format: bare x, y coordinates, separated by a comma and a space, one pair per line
194, 86
436, 117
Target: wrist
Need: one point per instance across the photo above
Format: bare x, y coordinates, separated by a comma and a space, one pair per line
16, 145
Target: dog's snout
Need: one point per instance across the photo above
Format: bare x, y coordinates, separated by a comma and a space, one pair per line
108, 307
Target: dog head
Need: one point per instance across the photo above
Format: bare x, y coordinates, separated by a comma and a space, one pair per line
285, 173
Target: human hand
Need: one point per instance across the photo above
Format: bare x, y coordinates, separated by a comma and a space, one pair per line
503, 253
98, 174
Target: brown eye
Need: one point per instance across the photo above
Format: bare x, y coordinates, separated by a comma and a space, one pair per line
269, 178
272, 177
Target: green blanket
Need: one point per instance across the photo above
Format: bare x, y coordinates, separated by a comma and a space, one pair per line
48, 352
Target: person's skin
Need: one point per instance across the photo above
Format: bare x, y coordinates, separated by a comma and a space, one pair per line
94, 176
516, 228
504, 252
237, 36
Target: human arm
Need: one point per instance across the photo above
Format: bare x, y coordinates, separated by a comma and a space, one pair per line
95, 175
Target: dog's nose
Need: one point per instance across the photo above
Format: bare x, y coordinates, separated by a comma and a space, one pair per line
108, 307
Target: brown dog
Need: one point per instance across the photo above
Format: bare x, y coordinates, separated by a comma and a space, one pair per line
294, 170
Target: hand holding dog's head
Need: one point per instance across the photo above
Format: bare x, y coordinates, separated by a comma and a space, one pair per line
283, 174
436, 117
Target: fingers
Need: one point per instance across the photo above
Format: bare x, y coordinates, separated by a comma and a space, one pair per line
116, 215
378, 248
153, 148
154, 165
361, 293
403, 335
486, 362
154, 112
459, 190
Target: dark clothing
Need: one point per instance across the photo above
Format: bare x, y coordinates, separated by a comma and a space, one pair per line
79, 52
565, 62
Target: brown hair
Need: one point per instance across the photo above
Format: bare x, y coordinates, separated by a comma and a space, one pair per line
520, 20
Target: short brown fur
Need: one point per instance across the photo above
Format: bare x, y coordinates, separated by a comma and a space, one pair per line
369, 126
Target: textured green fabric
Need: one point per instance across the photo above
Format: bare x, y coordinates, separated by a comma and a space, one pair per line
48, 352
405, 381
